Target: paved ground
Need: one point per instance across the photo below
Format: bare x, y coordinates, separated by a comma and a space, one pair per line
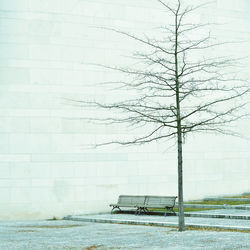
37, 235
225, 212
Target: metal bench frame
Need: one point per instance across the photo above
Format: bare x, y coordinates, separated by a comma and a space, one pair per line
134, 201
143, 202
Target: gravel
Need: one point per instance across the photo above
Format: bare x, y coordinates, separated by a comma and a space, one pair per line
62, 234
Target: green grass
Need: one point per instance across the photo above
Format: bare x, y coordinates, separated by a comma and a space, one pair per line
186, 209
224, 202
219, 202
241, 196
191, 209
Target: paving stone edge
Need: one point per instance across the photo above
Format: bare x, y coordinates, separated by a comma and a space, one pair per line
153, 223
219, 216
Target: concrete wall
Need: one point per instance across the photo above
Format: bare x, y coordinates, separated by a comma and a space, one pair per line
45, 50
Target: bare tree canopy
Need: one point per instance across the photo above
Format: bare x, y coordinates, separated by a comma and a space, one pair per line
181, 87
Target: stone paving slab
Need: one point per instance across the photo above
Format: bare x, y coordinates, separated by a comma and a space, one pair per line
221, 213
225, 211
163, 221
242, 207
72, 235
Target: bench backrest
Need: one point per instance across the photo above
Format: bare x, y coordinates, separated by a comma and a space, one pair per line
160, 201
136, 200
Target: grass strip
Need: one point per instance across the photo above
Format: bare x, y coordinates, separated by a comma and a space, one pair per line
219, 202
176, 209
216, 229
241, 196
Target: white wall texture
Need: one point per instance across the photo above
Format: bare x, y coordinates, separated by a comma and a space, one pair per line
46, 47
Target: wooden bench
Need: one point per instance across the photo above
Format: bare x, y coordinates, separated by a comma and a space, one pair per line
164, 202
143, 202
135, 201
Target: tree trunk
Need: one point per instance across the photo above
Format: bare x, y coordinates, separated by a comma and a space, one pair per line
180, 182
179, 129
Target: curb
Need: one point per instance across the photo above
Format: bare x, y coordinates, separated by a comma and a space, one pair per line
218, 216
154, 223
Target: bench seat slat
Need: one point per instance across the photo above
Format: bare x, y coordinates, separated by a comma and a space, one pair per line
132, 200
160, 201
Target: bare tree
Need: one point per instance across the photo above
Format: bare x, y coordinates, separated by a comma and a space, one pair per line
180, 88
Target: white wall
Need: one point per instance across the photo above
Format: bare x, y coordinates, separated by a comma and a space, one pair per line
45, 50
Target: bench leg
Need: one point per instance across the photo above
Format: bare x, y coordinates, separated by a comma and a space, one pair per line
137, 212
171, 209
114, 207
139, 209
165, 214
